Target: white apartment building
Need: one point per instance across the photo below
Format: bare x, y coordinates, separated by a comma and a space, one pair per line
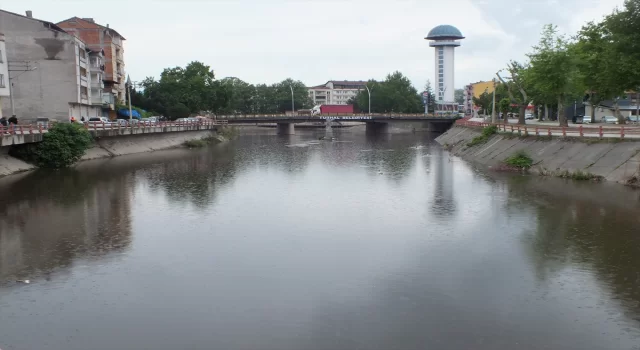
4, 74
49, 68
335, 92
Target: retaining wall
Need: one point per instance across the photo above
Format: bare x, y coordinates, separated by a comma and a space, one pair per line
112, 146
614, 161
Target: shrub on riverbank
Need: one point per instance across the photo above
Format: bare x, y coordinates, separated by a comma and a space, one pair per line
62, 146
487, 132
197, 143
520, 160
228, 132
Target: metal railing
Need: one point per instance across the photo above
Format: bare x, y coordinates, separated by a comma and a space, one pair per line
319, 116
564, 131
39, 128
24, 129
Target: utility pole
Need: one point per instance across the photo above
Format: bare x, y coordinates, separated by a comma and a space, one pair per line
17, 66
493, 105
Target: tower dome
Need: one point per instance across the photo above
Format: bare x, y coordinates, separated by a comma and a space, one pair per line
444, 32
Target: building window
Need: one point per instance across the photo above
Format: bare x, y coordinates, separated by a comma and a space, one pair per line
1, 56
2, 81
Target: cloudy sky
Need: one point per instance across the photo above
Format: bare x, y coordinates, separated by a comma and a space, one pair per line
265, 41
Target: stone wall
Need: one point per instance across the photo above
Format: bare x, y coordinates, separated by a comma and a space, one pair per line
614, 161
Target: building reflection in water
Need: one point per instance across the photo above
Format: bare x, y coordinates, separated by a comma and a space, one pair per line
44, 228
443, 204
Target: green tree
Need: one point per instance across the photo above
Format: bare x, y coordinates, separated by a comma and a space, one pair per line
620, 30
459, 96
517, 83
551, 70
432, 97
504, 106
593, 54
62, 146
193, 86
484, 101
393, 95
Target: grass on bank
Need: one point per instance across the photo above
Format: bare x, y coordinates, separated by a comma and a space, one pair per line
519, 160
487, 132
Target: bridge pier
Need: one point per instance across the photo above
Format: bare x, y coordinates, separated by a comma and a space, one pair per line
286, 129
377, 128
439, 127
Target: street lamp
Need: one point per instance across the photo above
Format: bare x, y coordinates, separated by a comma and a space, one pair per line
293, 108
369, 92
129, 97
493, 106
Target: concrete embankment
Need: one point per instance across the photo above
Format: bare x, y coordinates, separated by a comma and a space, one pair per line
612, 160
105, 147
111, 146
10, 165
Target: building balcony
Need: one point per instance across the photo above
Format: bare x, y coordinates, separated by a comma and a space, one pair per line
95, 67
97, 84
84, 81
108, 102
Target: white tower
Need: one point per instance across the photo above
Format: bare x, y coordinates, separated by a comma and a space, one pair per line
444, 38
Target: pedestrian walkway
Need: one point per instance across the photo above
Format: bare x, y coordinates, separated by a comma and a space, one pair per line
592, 131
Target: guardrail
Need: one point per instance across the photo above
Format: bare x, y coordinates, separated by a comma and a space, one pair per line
143, 125
27, 129
563, 131
24, 129
319, 116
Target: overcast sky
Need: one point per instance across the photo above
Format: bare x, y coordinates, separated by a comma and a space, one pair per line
265, 41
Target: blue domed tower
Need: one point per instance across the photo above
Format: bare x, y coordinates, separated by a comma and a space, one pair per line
444, 38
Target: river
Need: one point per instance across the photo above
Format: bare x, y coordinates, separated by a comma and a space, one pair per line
287, 242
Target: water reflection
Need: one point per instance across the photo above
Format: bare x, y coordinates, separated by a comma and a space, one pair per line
274, 242
49, 218
578, 232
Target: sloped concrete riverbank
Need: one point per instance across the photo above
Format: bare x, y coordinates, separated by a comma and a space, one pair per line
611, 160
105, 147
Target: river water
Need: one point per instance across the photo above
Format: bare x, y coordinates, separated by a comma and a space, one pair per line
287, 242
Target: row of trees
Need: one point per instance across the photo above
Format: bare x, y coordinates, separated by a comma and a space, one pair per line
181, 92
394, 94
599, 63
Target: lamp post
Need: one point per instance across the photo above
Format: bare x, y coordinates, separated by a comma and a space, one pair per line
369, 92
293, 108
129, 97
493, 106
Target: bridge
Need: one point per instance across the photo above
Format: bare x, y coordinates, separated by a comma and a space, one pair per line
378, 123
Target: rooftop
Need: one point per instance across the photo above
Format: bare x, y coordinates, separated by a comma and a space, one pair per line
444, 32
92, 21
47, 24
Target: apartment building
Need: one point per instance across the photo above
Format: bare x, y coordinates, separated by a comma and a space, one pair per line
110, 43
49, 70
4, 74
335, 92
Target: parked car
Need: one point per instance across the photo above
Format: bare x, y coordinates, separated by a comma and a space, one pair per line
609, 119
633, 119
182, 120
529, 116
586, 119
99, 120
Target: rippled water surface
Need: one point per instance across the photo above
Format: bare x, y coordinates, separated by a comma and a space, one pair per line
281, 243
